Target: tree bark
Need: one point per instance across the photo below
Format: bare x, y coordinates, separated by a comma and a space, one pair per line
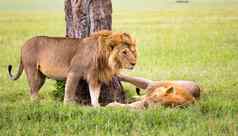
82, 18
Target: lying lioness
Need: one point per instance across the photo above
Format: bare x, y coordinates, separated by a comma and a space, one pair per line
95, 59
167, 93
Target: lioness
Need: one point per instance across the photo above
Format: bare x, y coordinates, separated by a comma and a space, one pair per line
190, 86
95, 59
168, 93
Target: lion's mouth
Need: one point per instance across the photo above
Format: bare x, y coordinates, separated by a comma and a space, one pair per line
131, 67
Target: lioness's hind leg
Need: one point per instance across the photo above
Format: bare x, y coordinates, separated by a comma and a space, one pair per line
70, 88
35, 79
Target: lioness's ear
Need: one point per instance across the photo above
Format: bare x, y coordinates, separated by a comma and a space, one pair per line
170, 90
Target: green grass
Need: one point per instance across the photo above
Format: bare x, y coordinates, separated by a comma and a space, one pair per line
195, 41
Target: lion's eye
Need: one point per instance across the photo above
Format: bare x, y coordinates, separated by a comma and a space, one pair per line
124, 52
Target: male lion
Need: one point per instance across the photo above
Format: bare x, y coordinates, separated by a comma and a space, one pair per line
95, 59
168, 93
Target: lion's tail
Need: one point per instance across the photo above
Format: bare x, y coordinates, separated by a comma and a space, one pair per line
18, 74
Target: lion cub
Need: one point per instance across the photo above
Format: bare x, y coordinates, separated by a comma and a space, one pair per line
166, 93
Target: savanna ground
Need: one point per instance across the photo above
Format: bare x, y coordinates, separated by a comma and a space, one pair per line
191, 41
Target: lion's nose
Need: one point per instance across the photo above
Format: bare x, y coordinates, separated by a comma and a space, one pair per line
133, 63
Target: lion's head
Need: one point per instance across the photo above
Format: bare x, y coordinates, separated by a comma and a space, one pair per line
123, 53
119, 47
116, 50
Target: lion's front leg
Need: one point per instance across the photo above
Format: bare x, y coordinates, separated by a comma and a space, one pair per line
94, 90
70, 87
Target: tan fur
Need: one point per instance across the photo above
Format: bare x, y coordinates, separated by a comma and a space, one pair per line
190, 86
161, 96
166, 93
95, 59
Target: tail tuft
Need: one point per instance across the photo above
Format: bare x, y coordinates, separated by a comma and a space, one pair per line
10, 72
18, 74
9, 68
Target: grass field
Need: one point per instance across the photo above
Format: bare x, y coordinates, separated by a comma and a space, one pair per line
194, 41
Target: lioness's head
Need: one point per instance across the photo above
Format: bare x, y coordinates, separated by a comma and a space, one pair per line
122, 48
171, 96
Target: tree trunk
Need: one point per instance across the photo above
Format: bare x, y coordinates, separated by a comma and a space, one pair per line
82, 18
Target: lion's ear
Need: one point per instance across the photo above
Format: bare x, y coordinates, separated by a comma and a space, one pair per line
112, 40
102, 35
109, 42
105, 35
170, 90
116, 39
126, 37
